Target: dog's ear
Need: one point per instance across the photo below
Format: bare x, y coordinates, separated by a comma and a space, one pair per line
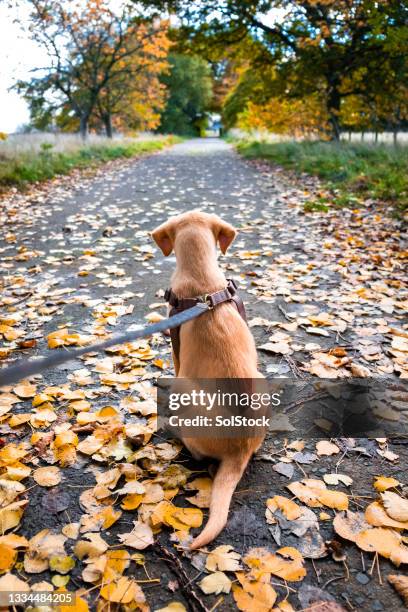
225, 235
162, 238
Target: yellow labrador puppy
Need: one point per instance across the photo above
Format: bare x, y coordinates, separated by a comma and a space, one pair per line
217, 344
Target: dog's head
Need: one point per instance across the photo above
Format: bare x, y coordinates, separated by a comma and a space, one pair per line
165, 235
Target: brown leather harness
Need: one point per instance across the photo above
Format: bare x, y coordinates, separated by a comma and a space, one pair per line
229, 294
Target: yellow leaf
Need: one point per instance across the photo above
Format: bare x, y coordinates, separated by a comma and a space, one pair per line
106, 413
288, 507
307, 491
11, 453
376, 515
19, 419
41, 398
382, 483
131, 502
121, 591
18, 471
14, 541
386, 542
90, 445
203, 497
180, 518
9, 490
80, 606
314, 494
62, 565
287, 563
254, 596
10, 516
117, 560
334, 499
8, 557
66, 455
60, 581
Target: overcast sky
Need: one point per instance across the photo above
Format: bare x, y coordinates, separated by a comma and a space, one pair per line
19, 55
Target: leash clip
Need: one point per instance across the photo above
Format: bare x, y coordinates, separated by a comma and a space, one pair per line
207, 299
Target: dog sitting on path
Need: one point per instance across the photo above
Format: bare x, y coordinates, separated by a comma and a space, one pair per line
216, 345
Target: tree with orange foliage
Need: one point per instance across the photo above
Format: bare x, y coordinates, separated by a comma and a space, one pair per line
98, 60
136, 103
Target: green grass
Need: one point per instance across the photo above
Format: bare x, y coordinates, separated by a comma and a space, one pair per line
27, 167
352, 170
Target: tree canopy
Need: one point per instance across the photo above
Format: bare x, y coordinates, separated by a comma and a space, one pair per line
102, 63
327, 49
189, 87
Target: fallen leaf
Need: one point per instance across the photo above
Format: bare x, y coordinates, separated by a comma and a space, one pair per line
326, 448
47, 476
334, 479
288, 507
8, 557
224, 559
385, 542
349, 524
395, 506
314, 494
215, 583
10, 582
10, 516
400, 584
376, 515
253, 596
123, 591
382, 483
140, 537
286, 563
203, 496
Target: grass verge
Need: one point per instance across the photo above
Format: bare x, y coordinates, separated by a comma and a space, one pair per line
31, 167
352, 170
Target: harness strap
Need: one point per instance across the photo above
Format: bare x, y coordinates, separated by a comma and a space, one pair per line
229, 294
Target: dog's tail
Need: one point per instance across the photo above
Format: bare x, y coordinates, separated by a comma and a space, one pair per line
228, 476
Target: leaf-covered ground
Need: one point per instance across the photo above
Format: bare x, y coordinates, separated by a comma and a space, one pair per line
92, 499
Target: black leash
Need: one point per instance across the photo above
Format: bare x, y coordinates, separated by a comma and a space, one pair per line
15, 373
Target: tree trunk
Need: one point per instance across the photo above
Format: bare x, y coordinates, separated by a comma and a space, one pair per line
349, 136
107, 120
395, 135
83, 127
376, 137
333, 109
362, 135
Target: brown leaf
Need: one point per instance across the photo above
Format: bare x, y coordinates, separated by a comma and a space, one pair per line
349, 524
400, 584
